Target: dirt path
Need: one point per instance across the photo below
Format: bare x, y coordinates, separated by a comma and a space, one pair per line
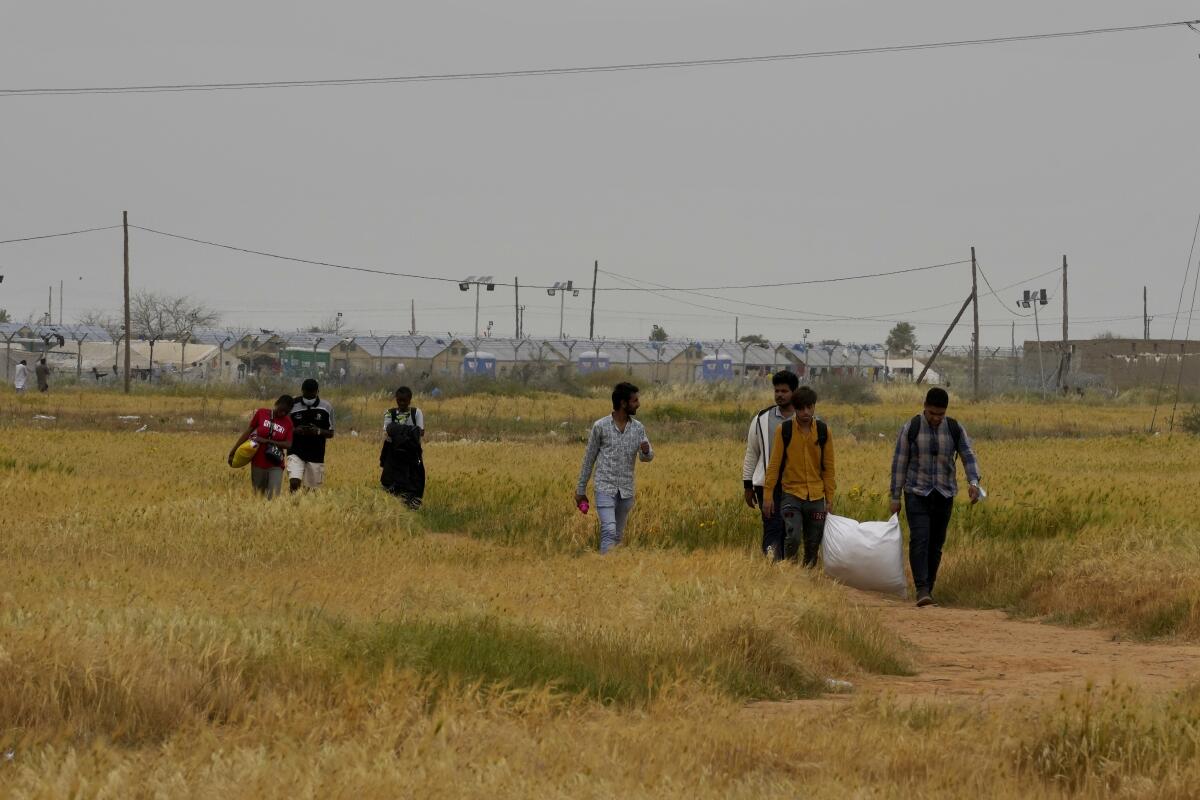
988, 655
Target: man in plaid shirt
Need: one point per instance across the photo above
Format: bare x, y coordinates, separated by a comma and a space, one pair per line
923, 470
617, 442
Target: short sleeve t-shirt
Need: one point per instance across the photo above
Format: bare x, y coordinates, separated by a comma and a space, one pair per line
319, 414
272, 429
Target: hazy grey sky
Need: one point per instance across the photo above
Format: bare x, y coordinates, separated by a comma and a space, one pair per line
738, 174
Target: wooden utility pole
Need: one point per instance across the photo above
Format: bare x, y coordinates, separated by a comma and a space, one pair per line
412, 330
933, 356
128, 324
736, 337
592, 321
975, 304
1065, 369
517, 307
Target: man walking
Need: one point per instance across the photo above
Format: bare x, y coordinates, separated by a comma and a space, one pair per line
614, 446
758, 453
312, 425
21, 376
802, 462
923, 471
43, 375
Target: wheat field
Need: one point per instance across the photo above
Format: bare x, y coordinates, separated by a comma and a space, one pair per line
163, 633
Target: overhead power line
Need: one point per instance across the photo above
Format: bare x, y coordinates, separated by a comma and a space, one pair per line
582, 70
55, 235
414, 276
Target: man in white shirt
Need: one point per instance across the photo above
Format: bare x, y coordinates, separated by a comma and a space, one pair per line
22, 375
758, 455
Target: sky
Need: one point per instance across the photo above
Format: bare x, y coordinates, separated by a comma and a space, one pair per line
715, 176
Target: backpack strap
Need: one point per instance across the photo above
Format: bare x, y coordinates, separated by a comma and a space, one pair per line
914, 430
822, 437
955, 432
786, 432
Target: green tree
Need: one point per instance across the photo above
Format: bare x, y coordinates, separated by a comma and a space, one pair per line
4, 317
902, 339
754, 338
658, 333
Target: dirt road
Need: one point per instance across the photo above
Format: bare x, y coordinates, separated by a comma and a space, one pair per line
988, 655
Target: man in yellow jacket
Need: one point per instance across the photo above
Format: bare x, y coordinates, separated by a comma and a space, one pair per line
802, 458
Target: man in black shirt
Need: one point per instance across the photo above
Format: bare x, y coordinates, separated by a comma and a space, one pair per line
312, 420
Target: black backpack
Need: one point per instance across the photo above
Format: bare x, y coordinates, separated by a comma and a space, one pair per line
822, 437
914, 430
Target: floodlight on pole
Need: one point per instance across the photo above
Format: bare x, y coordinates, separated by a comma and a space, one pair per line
1032, 298
486, 281
561, 288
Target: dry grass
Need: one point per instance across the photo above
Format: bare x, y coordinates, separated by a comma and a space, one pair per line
163, 633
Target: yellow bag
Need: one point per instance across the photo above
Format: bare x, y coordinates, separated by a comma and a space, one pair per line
244, 453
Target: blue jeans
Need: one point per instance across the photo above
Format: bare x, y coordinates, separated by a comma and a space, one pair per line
613, 512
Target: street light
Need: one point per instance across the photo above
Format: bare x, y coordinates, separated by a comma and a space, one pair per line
1035, 298
561, 288
486, 281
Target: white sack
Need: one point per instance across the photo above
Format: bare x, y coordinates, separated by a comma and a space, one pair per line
865, 555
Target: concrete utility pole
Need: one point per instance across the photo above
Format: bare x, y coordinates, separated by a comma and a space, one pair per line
517, 308
1065, 369
128, 326
592, 320
975, 309
1145, 316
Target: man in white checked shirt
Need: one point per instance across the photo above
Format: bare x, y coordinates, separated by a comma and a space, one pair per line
615, 445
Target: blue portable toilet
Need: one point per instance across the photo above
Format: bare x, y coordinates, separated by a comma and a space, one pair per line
479, 364
593, 361
717, 368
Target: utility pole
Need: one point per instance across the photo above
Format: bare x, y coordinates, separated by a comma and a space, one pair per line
413, 327
1145, 316
50, 306
592, 320
128, 325
517, 308
736, 337
975, 308
1016, 364
1065, 362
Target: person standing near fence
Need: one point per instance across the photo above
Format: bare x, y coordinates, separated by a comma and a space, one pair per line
615, 445
21, 376
802, 462
42, 371
924, 473
758, 454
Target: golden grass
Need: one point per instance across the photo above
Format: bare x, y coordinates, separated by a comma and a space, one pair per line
164, 633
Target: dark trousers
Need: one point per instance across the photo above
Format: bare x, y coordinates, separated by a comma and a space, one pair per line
774, 539
804, 521
928, 517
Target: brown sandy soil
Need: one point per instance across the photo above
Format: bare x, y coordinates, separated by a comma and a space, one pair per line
962, 653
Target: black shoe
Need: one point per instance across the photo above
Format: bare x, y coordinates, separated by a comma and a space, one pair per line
924, 599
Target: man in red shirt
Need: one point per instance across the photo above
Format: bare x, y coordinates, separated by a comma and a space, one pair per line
271, 429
